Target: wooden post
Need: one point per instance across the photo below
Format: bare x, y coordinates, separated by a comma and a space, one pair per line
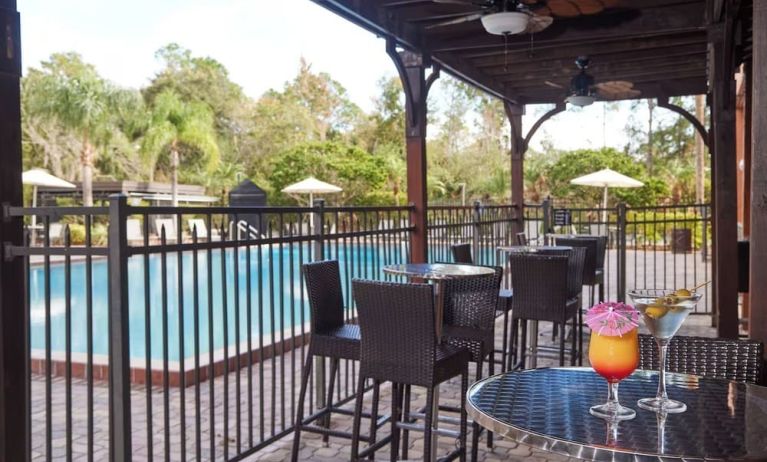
14, 372
518, 147
758, 257
724, 179
412, 71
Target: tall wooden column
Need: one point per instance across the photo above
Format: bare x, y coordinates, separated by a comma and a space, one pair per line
13, 364
518, 147
412, 71
758, 257
724, 179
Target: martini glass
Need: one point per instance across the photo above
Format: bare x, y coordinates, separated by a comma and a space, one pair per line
663, 313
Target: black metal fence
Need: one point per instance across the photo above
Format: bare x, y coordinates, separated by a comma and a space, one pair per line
179, 333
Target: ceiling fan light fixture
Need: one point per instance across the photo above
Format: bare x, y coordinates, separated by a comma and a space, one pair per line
505, 22
581, 100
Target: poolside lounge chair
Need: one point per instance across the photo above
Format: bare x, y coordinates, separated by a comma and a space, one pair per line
134, 231
169, 225
201, 227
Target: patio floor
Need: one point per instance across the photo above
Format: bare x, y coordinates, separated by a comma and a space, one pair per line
312, 447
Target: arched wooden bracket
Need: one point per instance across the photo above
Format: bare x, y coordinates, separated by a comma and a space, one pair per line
664, 103
411, 69
560, 107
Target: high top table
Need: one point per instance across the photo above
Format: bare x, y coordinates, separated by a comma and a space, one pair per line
548, 409
437, 273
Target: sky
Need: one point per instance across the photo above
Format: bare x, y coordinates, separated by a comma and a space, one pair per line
260, 42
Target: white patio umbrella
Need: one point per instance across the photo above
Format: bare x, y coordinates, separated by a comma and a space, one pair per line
39, 177
606, 178
311, 186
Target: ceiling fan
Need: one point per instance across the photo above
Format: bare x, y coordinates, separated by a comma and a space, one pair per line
584, 91
509, 17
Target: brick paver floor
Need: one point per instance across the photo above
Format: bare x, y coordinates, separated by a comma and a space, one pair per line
277, 410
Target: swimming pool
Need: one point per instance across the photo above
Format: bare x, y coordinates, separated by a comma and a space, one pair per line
277, 301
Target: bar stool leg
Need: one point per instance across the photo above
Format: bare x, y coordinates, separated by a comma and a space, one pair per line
396, 413
329, 398
505, 341
562, 344
406, 418
300, 412
357, 418
513, 347
573, 352
427, 438
374, 416
491, 372
463, 427
476, 430
580, 336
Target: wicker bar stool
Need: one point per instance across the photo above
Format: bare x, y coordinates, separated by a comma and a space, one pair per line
541, 294
469, 322
738, 360
331, 337
593, 275
462, 255
400, 345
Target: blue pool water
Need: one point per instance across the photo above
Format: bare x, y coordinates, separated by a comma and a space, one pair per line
276, 298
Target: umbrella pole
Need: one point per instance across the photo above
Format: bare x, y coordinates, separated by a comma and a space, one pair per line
604, 207
311, 215
34, 204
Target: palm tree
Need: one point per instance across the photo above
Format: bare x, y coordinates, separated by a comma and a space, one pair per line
177, 125
73, 94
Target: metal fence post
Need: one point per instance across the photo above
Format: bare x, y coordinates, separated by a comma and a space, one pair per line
319, 254
622, 222
476, 237
119, 349
546, 208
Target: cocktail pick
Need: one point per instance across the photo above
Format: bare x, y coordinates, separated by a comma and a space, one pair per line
612, 318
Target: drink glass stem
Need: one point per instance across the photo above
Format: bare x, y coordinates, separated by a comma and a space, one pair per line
662, 347
612, 393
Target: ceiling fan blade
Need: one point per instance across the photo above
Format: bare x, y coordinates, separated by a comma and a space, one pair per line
538, 22
616, 89
461, 20
630, 94
553, 84
574, 8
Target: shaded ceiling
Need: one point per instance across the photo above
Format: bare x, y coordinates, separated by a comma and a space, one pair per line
658, 45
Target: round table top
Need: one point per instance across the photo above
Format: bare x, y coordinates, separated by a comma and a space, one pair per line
533, 249
432, 271
549, 409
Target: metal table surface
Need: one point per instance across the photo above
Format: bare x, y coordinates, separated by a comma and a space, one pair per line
437, 273
549, 409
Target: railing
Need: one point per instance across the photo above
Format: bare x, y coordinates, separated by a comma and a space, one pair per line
180, 333
170, 337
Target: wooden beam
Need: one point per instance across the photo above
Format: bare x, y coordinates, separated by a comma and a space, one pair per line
412, 71
697, 124
14, 371
758, 244
652, 89
724, 182
515, 112
560, 107
668, 72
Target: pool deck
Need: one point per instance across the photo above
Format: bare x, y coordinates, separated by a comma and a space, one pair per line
312, 448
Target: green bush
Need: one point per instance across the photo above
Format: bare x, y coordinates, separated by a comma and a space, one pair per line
654, 228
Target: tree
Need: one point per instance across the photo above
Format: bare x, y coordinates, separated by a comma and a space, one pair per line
361, 174
71, 93
177, 126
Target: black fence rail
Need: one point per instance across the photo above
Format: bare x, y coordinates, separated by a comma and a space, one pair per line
163, 333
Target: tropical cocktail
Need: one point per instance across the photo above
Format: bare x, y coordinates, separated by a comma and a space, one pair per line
613, 353
663, 313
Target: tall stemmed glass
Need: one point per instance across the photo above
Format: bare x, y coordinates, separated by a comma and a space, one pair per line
663, 313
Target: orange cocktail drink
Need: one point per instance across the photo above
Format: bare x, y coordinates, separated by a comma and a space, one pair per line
614, 357
613, 352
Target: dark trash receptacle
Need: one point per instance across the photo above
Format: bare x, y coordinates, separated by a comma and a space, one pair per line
681, 240
249, 194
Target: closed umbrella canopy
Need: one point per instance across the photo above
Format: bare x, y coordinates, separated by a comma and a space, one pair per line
606, 178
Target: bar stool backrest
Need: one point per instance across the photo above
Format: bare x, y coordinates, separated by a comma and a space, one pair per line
739, 360
462, 254
540, 286
590, 263
326, 298
576, 259
601, 251
471, 302
397, 328
521, 238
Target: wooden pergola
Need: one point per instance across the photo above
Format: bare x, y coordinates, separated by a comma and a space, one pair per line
665, 47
